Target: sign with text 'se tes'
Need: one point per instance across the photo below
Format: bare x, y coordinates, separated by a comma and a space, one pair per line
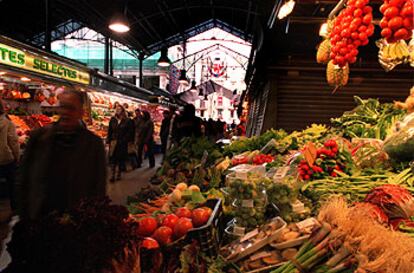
28, 61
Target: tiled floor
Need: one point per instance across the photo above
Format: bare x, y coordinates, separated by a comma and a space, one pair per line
131, 182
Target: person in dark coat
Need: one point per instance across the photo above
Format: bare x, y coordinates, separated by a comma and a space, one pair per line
147, 139
187, 124
165, 131
120, 133
62, 163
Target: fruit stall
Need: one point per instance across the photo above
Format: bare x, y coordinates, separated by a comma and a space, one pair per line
30, 86
331, 198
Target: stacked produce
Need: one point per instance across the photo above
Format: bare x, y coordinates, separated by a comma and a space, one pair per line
93, 237
369, 119
328, 160
351, 241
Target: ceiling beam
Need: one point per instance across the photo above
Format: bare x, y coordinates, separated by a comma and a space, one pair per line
213, 13
150, 26
248, 17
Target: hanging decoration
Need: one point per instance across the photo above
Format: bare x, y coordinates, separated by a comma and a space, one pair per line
397, 27
217, 67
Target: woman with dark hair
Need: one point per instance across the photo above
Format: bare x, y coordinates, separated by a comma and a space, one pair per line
147, 139
120, 134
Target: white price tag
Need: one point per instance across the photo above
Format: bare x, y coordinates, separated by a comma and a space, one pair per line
239, 231
281, 173
249, 203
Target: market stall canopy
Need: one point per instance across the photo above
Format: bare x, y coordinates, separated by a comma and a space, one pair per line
208, 88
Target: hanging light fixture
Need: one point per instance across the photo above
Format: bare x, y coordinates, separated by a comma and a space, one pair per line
164, 61
205, 97
183, 77
193, 86
286, 9
119, 23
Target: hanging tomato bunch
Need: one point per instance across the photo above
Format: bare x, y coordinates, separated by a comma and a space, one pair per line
397, 23
352, 28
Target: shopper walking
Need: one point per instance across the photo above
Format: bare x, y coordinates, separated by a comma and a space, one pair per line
138, 125
165, 131
120, 133
9, 154
187, 124
147, 140
62, 163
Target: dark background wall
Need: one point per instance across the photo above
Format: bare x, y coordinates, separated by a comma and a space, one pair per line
298, 95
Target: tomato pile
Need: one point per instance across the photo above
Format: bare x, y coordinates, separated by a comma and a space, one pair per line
262, 158
351, 29
397, 23
164, 229
327, 161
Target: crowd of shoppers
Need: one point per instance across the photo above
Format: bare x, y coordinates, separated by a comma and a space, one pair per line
65, 162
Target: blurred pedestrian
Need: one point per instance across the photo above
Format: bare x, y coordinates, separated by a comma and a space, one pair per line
187, 124
62, 163
9, 154
119, 135
147, 140
165, 130
138, 124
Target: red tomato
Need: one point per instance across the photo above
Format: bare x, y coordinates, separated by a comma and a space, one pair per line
146, 226
384, 23
363, 36
335, 49
395, 23
182, 227
396, 3
208, 210
400, 34
183, 212
358, 13
384, 7
332, 55
367, 9
200, 217
407, 12
408, 23
339, 59
357, 43
354, 52
336, 30
150, 243
365, 42
170, 220
353, 60
357, 21
354, 35
391, 12
360, 4
370, 30
351, 2
362, 28
163, 235
367, 19
343, 51
386, 32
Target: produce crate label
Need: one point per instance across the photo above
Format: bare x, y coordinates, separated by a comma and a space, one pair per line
249, 203
280, 173
249, 235
308, 223
239, 231
298, 206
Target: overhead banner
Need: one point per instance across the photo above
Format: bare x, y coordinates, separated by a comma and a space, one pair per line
28, 61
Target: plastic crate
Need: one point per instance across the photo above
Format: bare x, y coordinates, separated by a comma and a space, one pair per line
209, 236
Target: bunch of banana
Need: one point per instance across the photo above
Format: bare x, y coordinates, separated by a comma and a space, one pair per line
411, 50
391, 55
